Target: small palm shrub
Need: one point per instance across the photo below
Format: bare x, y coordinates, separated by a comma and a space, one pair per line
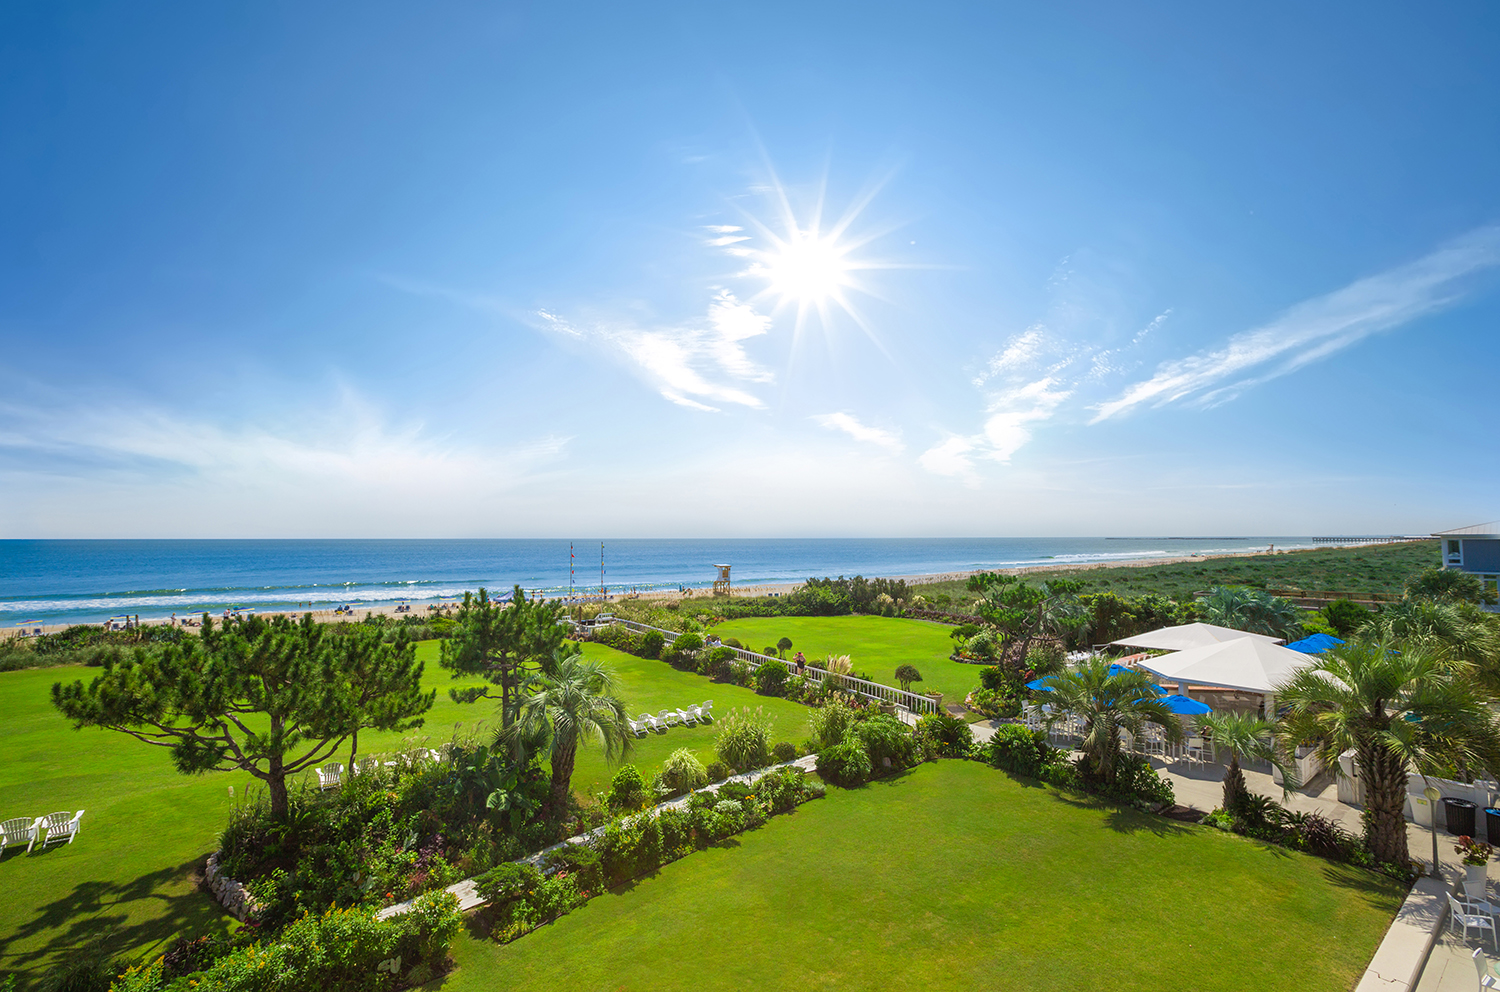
744, 740
941, 735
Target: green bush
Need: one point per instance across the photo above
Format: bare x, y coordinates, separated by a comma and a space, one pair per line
507, 881
744, 740
1024, 752
784, 788
888, 742
846, 763
718, 771
683, 771
688, 644
771, 678
941, 735
627, 790
652, 641
829, 724
906, 675
784, 752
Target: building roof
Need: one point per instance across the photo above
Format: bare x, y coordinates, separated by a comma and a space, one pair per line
1491, 529
1188, 635
1245, 663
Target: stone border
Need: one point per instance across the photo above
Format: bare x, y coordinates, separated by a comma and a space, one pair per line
1401, 957
232, 895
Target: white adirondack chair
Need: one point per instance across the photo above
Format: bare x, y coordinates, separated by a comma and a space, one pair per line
60, 825
330, 775
21, 830
367, 766
668, 717
688, 715
704, 711
637, 728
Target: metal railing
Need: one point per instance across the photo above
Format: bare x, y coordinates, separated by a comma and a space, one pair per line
915, 702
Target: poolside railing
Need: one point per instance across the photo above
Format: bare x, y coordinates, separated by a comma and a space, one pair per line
912, 701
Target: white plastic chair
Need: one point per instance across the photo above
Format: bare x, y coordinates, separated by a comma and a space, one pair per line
1457, 917
668, 717
60, 825
689, 715
21, 829
1482, 965
637, 727
704, 711
330, 775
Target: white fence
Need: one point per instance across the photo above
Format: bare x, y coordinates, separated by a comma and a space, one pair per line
915, 702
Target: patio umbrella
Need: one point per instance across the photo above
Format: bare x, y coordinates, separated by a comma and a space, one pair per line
1186, 705
1189, 635
1315, 644
1040, 685
1246, 664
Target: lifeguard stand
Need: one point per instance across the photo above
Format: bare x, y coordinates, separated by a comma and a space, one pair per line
721, 584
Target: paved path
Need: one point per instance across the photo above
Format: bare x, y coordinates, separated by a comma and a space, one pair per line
468, 895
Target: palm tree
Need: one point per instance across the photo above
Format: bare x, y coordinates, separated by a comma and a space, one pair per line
1412, 708
1253, 610
575, 698
1242, 734
1107, 704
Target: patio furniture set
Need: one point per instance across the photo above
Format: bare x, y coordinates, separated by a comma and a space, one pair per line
700, 713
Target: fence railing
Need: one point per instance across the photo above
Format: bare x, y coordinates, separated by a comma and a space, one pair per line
915, 702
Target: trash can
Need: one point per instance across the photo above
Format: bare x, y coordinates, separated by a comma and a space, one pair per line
1460, 815
1492, 823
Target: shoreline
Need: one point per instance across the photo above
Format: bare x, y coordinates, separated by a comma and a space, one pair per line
749, 591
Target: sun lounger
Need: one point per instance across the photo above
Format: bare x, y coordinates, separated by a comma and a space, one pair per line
21, 830
59, 826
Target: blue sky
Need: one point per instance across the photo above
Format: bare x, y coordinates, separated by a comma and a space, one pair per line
784, 270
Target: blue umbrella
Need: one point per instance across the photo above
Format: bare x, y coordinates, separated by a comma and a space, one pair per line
1117, 669
1315, 644
1040, 685
1186, 706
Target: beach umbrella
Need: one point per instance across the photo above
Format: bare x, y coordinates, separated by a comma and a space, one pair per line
1189, 635
1186, 705
1040, 685
1246, 664
1315, 644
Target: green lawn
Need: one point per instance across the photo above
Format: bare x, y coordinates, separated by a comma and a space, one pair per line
956, 876
147, 828
876, 644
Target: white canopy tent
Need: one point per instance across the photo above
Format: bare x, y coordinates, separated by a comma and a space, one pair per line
1247, 664
1190, 635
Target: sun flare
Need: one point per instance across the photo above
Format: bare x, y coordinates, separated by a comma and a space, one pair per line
806, 268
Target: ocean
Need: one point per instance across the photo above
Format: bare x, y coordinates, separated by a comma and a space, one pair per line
51, 582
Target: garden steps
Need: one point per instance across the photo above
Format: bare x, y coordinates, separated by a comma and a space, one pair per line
468, 893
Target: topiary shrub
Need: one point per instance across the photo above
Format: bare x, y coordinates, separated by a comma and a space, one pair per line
652, 641
683, 771
744, 739
906, 675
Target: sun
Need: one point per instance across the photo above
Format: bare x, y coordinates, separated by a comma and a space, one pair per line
806, 268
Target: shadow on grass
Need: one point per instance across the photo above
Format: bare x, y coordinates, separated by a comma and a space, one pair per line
97, 907
1375, 889
1125, 819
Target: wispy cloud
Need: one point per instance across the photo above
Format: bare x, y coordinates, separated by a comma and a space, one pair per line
688, 365
849, 424
1315, 329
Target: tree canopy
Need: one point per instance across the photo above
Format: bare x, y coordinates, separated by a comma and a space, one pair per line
1022, 613
507, 644
267, 697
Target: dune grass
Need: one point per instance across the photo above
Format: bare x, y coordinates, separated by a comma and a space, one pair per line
148, 829
876, 645
956, 876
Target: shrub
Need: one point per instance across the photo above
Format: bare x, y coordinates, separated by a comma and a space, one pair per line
982, 645
941, 735
784, 788
1137, 782
627, 790
829, 724
740, 673
688, 644
1346, 616
553, 897
1024, 752
652, 641
683, 771
906, 675
619, 638
1046, 659
771, 677
846, 763
784, 752
888, 742
718, 771
507, 881
744, 740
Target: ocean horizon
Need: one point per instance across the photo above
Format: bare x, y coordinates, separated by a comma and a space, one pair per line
88, 581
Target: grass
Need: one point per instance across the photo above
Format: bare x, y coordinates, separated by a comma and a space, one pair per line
875, 644
1373, 568
148, 829
956, 876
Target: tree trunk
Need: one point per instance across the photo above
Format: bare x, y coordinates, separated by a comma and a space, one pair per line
276, 782
1234, 784
1385, 801
353, 748
563, 755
